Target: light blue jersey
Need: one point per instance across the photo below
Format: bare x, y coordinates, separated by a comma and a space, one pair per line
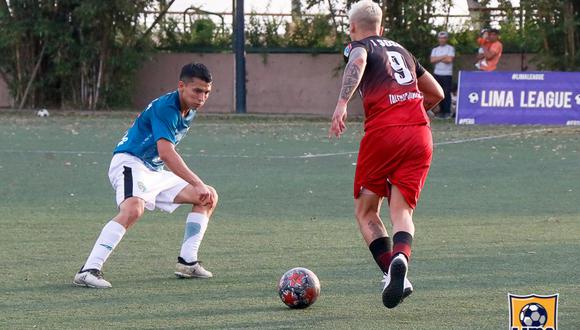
161, 119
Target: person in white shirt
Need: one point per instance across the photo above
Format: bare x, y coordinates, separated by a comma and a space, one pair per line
442, 58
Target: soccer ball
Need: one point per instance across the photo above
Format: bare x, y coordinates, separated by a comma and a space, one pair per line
533, 315
42, 113
299, 288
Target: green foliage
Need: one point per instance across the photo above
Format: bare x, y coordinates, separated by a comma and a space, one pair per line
413, 27
314, 33
310, 32
264, 32
169, 36
465, 42
200, 34
556, 23
72, 52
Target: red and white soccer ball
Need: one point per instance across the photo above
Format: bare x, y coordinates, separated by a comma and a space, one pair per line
299, 288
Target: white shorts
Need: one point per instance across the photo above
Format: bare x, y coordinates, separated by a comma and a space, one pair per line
131, 178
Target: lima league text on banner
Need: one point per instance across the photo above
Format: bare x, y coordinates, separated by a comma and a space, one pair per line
518, 98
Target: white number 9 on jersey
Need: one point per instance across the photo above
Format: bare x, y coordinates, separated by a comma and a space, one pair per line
402, 73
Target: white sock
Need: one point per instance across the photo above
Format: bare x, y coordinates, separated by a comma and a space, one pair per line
110, 236
195, 227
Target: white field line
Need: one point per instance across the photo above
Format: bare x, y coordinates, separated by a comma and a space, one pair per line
305, 156
481, 138
490, 137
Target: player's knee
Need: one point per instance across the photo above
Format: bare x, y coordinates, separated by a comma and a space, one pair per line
207, 208
134, 213
215, 196
131, 211
128, 216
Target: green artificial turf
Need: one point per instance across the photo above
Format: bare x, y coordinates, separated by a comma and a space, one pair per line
497, 215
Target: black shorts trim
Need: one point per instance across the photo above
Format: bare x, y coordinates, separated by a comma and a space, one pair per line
128, 181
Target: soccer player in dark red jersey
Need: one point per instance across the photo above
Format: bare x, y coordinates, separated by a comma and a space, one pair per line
395, 152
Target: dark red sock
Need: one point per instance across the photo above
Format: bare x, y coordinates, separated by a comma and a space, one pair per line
402, 242
381, 250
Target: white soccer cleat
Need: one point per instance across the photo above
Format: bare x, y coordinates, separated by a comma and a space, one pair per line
185, 270
395, 282
408, 287
91, 278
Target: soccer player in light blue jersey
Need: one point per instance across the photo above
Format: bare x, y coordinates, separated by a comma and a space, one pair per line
138, 176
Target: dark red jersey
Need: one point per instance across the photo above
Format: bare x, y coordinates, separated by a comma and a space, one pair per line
389, 84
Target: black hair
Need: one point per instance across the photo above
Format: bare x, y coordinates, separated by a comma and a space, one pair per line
496, 31
195, 70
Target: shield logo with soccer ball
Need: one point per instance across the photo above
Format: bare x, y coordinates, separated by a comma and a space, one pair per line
533, 312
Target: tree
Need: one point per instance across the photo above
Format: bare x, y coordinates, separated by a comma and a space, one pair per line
409, 22
556, 23
72, 52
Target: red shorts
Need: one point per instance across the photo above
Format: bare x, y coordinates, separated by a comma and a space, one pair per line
394, 155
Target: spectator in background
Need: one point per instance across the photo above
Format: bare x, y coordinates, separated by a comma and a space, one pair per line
442, 57
492, 50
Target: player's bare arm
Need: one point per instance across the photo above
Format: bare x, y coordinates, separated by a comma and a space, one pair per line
432, 91
175, 163
352, 76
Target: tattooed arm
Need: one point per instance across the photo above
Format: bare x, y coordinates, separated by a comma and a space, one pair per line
353, 73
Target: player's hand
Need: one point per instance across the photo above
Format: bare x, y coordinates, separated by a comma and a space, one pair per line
338, 125
205, 195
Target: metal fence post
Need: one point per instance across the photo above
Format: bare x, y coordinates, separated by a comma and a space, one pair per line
240, 56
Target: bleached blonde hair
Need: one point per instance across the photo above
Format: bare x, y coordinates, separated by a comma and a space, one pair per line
366, 13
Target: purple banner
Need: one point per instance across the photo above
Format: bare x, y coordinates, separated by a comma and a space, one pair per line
518, 98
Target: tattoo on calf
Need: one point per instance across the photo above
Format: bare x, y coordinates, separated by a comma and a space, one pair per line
377, 229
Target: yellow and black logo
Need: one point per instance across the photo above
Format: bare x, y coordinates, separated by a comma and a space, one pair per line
533, 312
